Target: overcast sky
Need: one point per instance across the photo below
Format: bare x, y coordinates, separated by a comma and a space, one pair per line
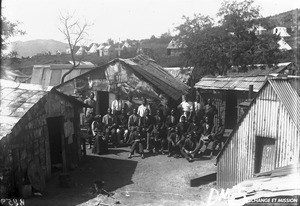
118, 19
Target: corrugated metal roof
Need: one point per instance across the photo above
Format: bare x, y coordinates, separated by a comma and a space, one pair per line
16, 100
231, 83
289, 97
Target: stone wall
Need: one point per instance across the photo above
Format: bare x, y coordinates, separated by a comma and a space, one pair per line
29, 140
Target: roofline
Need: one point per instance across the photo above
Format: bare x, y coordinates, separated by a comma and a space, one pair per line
70, 98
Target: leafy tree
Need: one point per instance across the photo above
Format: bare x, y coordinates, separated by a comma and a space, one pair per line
9, 29
213, 48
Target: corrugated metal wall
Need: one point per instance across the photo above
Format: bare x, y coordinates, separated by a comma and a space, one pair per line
266, 118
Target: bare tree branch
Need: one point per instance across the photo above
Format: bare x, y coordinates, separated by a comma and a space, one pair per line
75, 32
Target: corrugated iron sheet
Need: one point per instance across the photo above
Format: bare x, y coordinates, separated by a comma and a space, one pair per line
268, 117
231, 83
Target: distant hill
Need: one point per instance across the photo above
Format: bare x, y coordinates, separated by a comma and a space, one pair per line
285, 19
38, 46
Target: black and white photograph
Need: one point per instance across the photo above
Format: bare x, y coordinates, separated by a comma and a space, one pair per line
150, 103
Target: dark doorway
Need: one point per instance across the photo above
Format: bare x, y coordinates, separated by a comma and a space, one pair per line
55, 131
264, 154
102, 102
231, 110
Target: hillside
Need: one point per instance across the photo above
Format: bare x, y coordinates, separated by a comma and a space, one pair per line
38, 46
285, 19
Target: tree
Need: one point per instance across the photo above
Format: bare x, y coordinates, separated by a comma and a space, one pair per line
9, 29
75, 33
215, 47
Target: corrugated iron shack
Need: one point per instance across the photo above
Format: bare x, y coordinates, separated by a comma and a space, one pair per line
267, 135
228, 92
39, 130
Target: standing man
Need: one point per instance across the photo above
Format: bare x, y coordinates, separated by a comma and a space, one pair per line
130, 105
143, 107
133, 124
116, 106
185, 107
198, 108
89, 114
210, 111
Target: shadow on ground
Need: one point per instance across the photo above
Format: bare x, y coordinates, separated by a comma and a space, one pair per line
116, 173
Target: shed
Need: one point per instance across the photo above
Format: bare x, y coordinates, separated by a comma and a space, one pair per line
51, 74
140, 76
39, 128
267, 135
228, 92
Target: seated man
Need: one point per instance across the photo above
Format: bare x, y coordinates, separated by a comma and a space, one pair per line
195, 128
146, 124
175, 142
122, 126
110, 124
137, 144
205, 137
133, 123
216, 136
189, 146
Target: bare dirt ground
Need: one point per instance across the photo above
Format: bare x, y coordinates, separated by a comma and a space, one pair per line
155, 180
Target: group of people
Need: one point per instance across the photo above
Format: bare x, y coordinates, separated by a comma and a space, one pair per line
187, 130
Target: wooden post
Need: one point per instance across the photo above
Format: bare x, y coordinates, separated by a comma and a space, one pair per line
63, 149
250, 94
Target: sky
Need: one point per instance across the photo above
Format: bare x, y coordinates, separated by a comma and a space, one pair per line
117, 19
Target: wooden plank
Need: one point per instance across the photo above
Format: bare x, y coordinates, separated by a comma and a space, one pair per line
195, 182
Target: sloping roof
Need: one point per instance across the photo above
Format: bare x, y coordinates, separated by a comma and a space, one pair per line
181, 73
175, 44
93, 48
288, 94
144, 68
50, 75
81, 51
289, 97
231, 83
18, 98
241, 81
283, 45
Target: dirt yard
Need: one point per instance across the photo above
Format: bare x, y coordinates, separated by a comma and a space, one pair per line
155, 180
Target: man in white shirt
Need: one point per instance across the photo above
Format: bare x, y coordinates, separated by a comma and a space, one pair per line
117, 105
185, 107
142, 108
